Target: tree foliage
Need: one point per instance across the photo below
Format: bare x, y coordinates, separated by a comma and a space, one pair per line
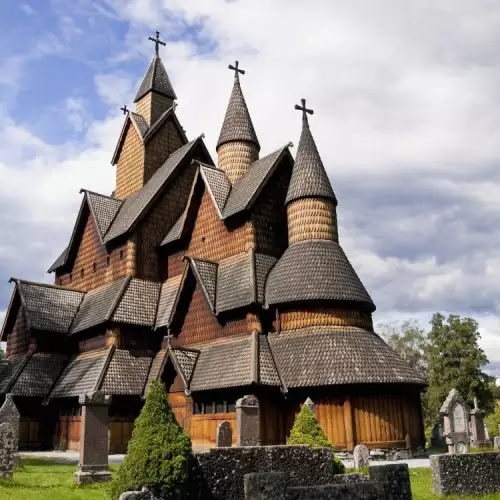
306, 430
455, 361
409, 340
159, 450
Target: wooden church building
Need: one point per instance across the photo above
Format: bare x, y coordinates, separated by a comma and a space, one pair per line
220, 278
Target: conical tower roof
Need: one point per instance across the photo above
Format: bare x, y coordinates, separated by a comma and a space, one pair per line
156, 80
237, 124
309, 177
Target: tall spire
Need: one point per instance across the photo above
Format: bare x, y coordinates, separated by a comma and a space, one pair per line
156, 78
309, 177
237, 124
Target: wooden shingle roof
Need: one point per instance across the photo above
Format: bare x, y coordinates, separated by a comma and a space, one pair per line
156, 80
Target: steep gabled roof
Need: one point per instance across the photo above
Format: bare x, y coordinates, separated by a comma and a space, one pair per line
206, 275
144, 131
156, 80
218, 185
103, 209
47, 307
169, 294
247, 189
136, 205
237, 125
309, 177
315, 270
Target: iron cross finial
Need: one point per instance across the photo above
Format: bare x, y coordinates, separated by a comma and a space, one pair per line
124, 109
236, 69
157, 42
304, 110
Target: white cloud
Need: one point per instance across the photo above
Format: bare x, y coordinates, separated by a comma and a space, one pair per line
406, 119
27, 9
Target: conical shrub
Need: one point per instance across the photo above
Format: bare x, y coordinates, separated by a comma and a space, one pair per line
158, 452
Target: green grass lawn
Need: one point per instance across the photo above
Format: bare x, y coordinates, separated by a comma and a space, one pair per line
38, 479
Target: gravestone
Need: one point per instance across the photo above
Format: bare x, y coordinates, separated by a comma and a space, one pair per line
456, 422
437, 438
496, 442
9, 437
224, 435
478, 435
361, 456
93, 464
247, 421
309, 403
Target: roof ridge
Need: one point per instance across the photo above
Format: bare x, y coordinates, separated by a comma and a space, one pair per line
83, 190
46, 285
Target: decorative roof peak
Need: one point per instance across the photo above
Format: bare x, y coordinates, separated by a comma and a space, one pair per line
156, 78
237, 124
309, 177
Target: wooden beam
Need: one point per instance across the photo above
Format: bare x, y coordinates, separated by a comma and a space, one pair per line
348, 423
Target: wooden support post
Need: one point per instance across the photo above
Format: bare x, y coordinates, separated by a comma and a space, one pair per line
348, 423
406, 421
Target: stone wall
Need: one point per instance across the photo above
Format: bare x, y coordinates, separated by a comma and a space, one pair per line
287, 472
471, 473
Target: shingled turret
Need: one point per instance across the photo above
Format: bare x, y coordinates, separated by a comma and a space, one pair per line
155, 94
311, 202
238, 146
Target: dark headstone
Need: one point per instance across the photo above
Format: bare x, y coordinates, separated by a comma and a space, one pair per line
93, 465
396, 477
224, 435
478, 434
247, 421
265, 486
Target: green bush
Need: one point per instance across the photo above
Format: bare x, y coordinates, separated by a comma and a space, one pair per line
493, 421
159, 450
306, 430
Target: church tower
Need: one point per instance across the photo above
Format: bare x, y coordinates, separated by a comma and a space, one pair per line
156, 94
311, 203
149, 135
238, 146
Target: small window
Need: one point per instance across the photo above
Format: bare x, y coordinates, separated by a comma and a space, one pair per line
197, 408
121, 254
231, 407
82, 273
220, 407
107, 260
210, 408
94, 267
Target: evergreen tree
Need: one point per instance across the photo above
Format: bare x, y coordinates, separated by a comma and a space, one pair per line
159, 451
306, 430
455, 361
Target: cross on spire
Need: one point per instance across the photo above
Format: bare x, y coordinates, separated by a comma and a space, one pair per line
304, 110
236, 69
157, 42
124, 109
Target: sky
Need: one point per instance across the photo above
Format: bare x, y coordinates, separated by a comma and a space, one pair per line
407, 120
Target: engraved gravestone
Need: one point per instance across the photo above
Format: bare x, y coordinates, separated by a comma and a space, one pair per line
224, 435
9, 437
309, 403
361, 456
456, 422
247, 421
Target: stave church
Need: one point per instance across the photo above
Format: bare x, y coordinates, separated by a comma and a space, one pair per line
221, 276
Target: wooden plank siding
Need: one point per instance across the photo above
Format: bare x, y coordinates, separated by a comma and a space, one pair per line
203, 428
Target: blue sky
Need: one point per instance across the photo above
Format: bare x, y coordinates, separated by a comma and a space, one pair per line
406, 118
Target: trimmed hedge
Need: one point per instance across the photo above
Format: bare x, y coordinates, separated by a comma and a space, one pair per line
306, 430
159, 451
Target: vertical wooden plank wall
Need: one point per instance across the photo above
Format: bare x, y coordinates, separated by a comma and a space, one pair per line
204, 427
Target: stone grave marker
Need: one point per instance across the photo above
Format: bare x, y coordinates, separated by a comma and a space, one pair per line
456, 423
224, 435
478, 431
361, 456
9, 437
309, 403
93, 464
496, 442
247, 421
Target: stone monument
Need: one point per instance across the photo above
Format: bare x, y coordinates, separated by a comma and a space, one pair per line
496, 442
309, 403
478, 434
224, 435
456, 422
247, 421
9, 437
361, 456
93, 464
